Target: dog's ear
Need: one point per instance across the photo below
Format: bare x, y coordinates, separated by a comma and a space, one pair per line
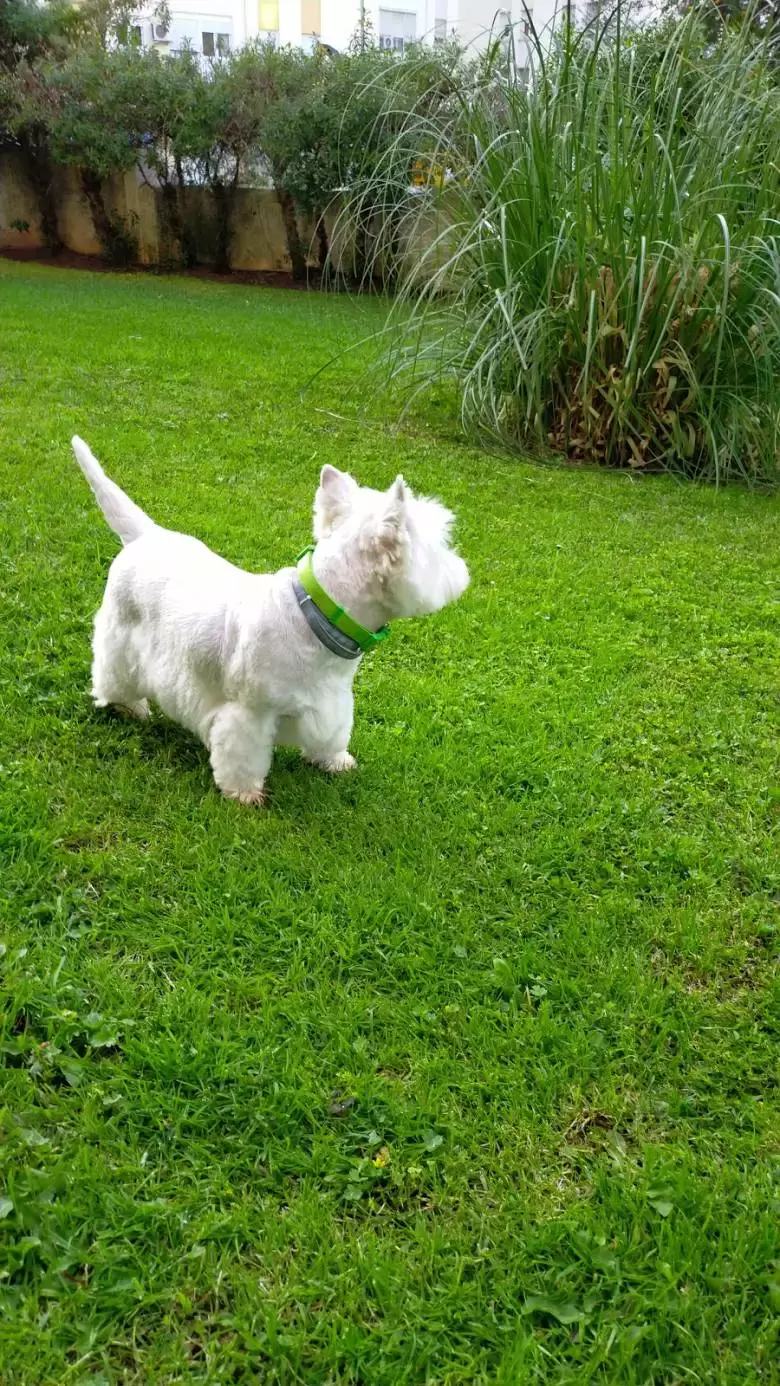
390, 526
399, 492
333, 500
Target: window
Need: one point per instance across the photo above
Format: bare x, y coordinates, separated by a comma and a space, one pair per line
207, 44
311, 17
223, 44
268, 12
136, 36
397, 28
440, 31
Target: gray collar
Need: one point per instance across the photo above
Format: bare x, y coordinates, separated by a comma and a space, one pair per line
328, 635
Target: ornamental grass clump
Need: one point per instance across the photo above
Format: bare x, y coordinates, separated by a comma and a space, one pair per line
605, 278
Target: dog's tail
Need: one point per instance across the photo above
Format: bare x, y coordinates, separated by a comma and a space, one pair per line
125, 517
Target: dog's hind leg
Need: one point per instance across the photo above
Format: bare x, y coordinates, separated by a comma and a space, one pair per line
112, 679
242, 746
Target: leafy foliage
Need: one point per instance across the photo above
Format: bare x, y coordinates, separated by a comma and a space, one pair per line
29, 31
86, 127
30, 34
286, 82
309, 124
762, 16
387, 107
81, 108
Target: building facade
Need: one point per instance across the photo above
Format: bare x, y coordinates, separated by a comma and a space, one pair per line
214, 27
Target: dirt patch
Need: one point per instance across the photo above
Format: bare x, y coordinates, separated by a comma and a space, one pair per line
586, 1122
267, 279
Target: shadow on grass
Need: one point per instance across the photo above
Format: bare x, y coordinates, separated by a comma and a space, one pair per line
166, 741
292, 782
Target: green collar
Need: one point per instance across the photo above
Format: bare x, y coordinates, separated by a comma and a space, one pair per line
365, 639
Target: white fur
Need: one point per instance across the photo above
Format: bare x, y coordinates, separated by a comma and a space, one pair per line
229, 654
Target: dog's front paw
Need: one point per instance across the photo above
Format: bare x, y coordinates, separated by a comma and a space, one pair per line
256, 798
336, 765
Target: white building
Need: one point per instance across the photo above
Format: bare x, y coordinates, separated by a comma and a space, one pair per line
212, 27
475, 21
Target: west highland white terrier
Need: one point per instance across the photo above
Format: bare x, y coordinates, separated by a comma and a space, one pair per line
248, 661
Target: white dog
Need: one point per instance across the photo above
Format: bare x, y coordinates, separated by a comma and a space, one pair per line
248, 661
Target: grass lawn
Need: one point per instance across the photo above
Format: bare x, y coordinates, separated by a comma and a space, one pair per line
460, 1069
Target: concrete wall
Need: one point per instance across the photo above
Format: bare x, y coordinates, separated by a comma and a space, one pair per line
259, 241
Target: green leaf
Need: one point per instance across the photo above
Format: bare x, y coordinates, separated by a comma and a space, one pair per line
564, 1310
32, 1137
27, 1244
661, 1198
72, 1071
6, 1206
432, 1140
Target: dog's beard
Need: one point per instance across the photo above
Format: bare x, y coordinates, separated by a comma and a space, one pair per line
421, 590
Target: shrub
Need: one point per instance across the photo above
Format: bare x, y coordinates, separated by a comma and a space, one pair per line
29, 33
218, 128
121, 243
327, 122
87, 131
282, 80
608, 279
388, 110
161, 97
319, 135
